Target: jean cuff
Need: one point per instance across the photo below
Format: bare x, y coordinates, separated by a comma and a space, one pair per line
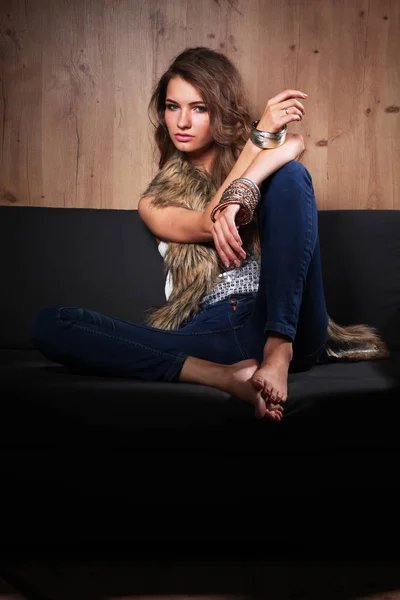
172, 373
279, 328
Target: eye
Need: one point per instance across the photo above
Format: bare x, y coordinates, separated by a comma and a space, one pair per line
171, 106
201, 109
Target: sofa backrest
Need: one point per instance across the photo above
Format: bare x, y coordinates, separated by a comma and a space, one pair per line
360, 253
108, 261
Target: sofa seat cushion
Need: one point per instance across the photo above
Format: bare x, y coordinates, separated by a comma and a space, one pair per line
334, 404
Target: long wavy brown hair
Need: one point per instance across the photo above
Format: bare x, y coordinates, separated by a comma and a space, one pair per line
221, 87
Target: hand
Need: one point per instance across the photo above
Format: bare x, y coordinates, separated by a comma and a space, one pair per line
227, 240
274, 116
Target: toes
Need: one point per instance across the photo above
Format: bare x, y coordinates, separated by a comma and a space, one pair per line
274, 406
269, 401
263, 411
270, 393
274, 397
257, 383
260, 408
274, 413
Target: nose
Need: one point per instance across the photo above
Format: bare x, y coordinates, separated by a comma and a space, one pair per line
184, 121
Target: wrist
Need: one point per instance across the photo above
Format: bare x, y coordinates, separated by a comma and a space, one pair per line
207, 224
240, 198
252, 150
267, 139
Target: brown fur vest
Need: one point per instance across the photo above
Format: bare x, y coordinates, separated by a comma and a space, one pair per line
194, 268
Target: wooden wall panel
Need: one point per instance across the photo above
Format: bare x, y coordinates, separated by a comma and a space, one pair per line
21, 104
133, 79
313, 48
346, 153
76, 77
391, 144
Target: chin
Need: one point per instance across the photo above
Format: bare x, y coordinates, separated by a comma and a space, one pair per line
187, 147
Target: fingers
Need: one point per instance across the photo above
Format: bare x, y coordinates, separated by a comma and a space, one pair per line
231, 231
233, 240
218, 248
275, 117
286, 112
228, 242
286, 94
294, 107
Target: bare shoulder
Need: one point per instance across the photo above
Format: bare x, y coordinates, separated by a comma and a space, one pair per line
144, 206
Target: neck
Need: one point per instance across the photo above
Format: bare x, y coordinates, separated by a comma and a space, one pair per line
203, 158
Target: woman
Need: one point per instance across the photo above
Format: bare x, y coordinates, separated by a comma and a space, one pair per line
236, 220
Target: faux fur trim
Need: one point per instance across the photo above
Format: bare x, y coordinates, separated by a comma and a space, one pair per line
354, 343
194, 268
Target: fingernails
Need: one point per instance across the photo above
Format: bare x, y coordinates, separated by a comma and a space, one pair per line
304, 95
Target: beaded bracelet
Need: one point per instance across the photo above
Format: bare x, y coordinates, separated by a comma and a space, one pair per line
241, 191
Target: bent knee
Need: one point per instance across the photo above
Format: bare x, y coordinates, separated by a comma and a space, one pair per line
294, 169
289, 175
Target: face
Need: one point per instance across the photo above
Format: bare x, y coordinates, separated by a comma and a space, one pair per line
187, 118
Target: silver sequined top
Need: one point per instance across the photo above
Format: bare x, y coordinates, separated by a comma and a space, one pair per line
243, 280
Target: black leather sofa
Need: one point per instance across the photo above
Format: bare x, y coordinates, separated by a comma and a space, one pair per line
167, 461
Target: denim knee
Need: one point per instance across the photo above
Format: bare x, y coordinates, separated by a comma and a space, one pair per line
286, 179
292, 170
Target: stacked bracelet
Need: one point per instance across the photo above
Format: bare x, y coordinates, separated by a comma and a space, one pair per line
241, 191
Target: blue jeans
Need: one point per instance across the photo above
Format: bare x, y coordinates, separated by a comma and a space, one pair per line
290, 300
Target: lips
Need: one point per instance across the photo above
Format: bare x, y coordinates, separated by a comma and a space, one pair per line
182, 137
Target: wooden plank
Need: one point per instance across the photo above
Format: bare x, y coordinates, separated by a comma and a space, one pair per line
133, 81
347, 155
244, 45
63, 84
313, 50
207, 24
379, 108
392, 110
20, 119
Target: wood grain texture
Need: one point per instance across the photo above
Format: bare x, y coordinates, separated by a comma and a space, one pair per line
76, 77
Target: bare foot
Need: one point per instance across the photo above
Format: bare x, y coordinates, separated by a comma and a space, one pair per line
239, 383
271, 380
